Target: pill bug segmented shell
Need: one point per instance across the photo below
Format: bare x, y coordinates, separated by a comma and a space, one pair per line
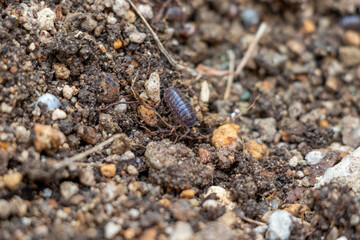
180, 107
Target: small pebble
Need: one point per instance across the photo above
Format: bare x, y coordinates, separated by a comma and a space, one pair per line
349, 56
108, 170
22, 135
152, 86
46, 18
132, 170
351, 38
6, 108
5, 209
47, 137
117, 44
58, 114
148, 116
109, 191
61, 71
68, 189
111, 230
68, 92
121, 108
226, 135
308, 26
146, 11
50, 101
182, 231
87, 177
249, 17
12, 180
88, 134
120, 7
205, 92
314, 157
280, 225
137, 37
188, 193
256, 150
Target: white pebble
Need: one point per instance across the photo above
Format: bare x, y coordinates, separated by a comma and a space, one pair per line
205, 92
111, 19
68, 92
68, 189
120, 7
182, 231
22, 135
152, 87
6, 108
146, 11
46, 18
294, 161
128, 155
58, 114
49, 100
280, 225
314, 157
137, 37
121, 108
111, 229
132, 170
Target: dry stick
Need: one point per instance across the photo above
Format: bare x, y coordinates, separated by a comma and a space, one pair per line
156, 38
251, 49
79, 156
252, 221
245, 59
231, 76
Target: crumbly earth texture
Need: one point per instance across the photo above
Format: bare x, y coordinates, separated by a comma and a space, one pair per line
292, 113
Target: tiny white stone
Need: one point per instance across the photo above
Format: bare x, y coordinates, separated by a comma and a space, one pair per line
146, 11
58, 114
120, 7
128, 155
280, 225
294, 161
182, 231
121, 108
137, 37
152, 87
46, 18
314, 157
205, 92
68, 92
111, 229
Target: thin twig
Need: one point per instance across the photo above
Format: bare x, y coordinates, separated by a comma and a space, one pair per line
79, 156
230, 80
156, 38
252, 221
251, 48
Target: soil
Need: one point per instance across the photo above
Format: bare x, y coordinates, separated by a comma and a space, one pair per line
297, 94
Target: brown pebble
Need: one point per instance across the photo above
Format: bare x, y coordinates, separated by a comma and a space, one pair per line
129, 233
47, 137
87, 177
117, 44
226, 135
108, 170
164, 202
13, 69
12, 180
148, 116
61, 71
110, 87
102, 48
256, 150
308, 26
352, 38
88, 134
205, 155
149, 234
188, 193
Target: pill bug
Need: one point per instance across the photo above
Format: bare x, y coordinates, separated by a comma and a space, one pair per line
180, 107
350, 22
